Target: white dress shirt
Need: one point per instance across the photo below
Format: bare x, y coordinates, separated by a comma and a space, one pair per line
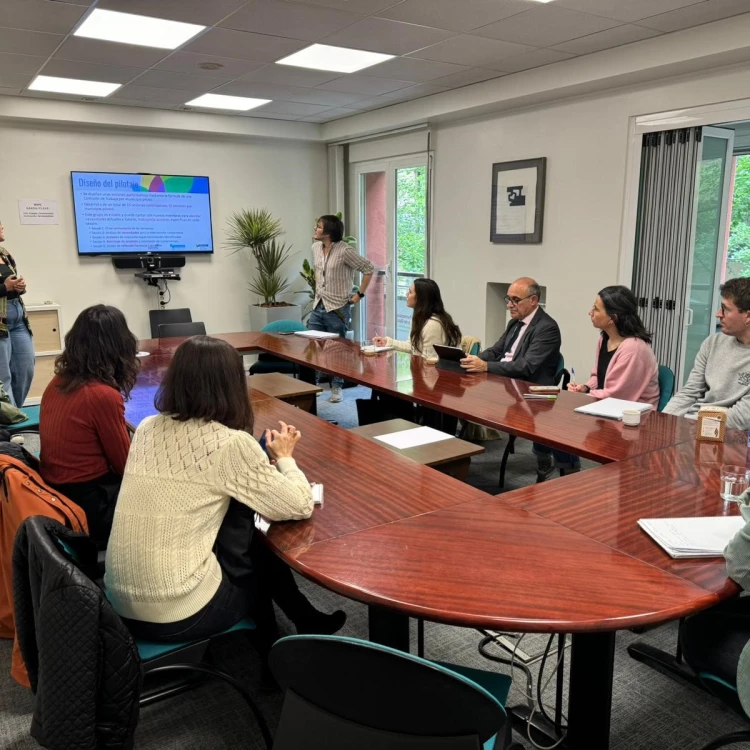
524, 326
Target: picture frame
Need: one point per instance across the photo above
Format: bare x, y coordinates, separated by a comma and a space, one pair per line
517, 215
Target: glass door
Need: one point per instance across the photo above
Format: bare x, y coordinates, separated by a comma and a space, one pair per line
390, 224
712, 195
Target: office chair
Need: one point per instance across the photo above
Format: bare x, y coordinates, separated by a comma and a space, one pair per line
173, 330
562, 378
666, 386
342, 693
272, 363
160, 317
155, 658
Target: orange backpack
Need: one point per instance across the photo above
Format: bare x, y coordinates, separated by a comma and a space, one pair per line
24, 494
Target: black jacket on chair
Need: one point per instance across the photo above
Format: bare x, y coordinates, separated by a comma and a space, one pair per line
83, 663
537, 355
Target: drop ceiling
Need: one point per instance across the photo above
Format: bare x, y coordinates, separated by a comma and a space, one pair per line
438, 45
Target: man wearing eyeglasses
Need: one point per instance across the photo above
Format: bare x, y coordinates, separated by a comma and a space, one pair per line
529, 350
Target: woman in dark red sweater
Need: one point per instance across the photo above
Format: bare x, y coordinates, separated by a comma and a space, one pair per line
83, 434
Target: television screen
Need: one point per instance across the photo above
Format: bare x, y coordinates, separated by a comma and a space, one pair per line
128, 214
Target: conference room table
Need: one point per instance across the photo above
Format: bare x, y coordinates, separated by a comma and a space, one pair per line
566, 556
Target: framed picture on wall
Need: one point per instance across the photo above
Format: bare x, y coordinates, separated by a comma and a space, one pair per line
518, 201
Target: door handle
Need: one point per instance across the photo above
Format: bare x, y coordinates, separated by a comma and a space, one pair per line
689, 317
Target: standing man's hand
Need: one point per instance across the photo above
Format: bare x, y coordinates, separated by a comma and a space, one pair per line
471, 363
354, 299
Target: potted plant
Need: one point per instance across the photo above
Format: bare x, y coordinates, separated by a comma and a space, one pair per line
258, 231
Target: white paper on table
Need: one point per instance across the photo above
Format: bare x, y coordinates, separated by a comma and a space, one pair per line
693, 537
376, 348
413, 438
612, 408
317, 334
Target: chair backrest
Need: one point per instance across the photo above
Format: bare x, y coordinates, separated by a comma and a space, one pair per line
159, 317
171, 330
356, 693
471, 345
666, 386
283, 326
562, 376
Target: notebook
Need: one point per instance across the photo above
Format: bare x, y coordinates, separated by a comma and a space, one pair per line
317, 334
611, 408
693, 537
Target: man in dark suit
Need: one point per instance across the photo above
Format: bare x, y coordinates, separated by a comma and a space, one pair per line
528, 350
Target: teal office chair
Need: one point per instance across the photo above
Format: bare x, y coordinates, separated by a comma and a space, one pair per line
343, 693
156, 658
728, 694
562, 378
269, 362
30, 424
666, 386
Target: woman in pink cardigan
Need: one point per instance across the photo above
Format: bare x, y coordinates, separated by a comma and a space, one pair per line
625, 364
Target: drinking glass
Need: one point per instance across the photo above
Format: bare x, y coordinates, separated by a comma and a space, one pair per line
733, 482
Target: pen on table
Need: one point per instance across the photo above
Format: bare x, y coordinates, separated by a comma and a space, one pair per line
572, 375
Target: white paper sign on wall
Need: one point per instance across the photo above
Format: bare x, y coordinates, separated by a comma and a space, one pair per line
37, 211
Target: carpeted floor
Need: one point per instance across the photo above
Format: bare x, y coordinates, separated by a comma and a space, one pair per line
649, 711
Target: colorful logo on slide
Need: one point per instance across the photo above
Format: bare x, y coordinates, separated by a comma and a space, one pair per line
165, 183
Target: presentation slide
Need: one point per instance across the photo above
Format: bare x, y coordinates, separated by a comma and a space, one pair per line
141, 213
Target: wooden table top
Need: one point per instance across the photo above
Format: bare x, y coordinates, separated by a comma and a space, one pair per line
564, 556
278, 385
483, 398
430, 454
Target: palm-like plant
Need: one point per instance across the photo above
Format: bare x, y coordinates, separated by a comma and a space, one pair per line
256, 231
270, 257
251, 230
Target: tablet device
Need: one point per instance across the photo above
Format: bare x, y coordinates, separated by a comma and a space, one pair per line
451, 353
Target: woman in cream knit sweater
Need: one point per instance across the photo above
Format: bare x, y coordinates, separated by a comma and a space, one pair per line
182, 561
430, 323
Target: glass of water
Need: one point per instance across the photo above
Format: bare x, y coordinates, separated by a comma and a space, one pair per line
734, 481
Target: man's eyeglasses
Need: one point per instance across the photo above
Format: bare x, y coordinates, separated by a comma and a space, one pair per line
515, 300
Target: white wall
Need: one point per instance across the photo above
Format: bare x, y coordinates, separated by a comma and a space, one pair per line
288, 178
585, 142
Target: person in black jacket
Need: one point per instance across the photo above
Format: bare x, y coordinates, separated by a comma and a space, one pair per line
528, 350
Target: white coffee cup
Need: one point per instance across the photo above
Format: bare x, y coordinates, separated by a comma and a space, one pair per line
631, 417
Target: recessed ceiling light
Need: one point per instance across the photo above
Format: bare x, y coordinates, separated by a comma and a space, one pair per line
221, 101
337, 59
73, 86
128, 28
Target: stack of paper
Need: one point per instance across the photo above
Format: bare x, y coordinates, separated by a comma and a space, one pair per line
376, 348
413, 438
316, 334
611, 408
693, 537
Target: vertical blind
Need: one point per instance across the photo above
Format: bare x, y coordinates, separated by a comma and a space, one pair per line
662, 252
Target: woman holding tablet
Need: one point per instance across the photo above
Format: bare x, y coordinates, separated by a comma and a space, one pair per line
430, 323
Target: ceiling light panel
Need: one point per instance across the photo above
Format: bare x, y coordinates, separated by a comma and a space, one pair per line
337, 59
223, 101
72, 86
128, 28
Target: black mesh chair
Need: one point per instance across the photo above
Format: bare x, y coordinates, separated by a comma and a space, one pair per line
160, 317
173, 330
343, 693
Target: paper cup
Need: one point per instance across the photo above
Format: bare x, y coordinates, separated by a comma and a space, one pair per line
631, 417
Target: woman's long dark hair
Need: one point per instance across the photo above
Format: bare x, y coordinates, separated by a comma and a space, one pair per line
429, 304
99, 348
206, 380
622, 306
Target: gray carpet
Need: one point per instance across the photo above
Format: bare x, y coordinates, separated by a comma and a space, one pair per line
649, 711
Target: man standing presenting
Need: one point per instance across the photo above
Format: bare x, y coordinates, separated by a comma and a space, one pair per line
336, 264
721, 374
528, 350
